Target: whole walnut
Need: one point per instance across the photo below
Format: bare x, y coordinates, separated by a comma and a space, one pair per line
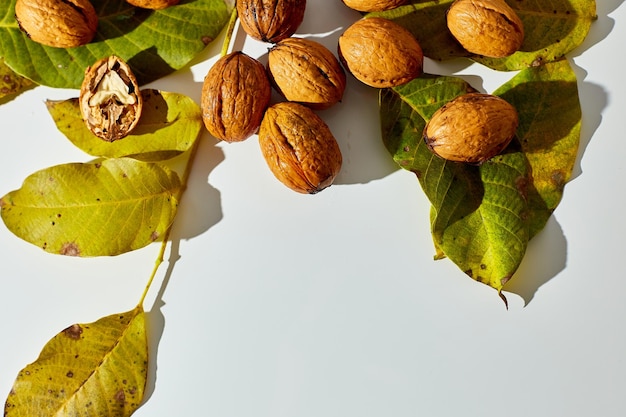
57, 23
110, 101
270, 20
299, 147
380, 52
235, 94
489, 28
373, 5
153, 4
471, 128
307, 72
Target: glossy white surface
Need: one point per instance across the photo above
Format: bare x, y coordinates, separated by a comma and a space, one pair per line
278, 304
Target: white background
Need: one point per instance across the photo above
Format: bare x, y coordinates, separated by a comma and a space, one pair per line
277, 304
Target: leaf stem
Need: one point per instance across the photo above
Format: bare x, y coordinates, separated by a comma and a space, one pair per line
229, 32
168, 231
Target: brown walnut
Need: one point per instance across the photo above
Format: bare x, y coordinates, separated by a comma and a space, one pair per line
57, 23
380, 52
306, 72
110, 100
489, 28
235, 94
153, 4
471, 128
270, 20
299, 147
373, 5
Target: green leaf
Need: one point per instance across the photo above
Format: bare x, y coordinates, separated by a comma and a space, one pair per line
10, 83
170, 123
153, 43
478, 213
90, 369
483, 216
94, 209
547, 100
552, 29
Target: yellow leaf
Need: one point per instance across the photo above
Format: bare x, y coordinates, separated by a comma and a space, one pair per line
95, 369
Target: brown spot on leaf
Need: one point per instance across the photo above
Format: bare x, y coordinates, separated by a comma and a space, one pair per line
521, 183
69, 374
154, 236
120, 396
207, 40
558, 178
70, 249
73, 332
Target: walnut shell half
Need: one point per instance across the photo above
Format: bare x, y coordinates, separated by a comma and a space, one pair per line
299, 147
110, 100
471, 128
57, 23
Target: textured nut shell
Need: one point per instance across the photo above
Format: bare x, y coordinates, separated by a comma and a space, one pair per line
110, 120
153, 4
489, 28
270, 20
299, 148
57, 23
380, 53
373, 5
471, 128
306, 72
235, 94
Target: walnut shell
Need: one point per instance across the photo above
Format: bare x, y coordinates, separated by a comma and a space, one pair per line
489, 28
270, 20
57, 23
306, 72
235, 94
110, 100
380, 52
153, 4
373, 5
299, 147
472, 128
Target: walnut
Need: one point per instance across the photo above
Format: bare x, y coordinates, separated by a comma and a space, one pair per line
110, 100
472, 128
153, 4
306, 72
270, 20
57, 23
299, 147
235, 94
373, 5
489, 28
380, 52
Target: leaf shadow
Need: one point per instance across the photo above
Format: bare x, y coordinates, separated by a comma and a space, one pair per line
536, 268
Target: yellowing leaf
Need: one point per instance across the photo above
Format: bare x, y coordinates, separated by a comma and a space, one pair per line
95, 369
11, 83
550, 119
169, 125
94, 209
